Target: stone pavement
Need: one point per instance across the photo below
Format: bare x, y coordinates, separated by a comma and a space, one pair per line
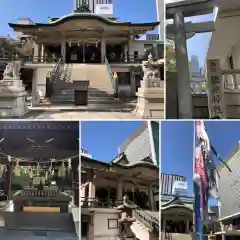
79, 115
35, 235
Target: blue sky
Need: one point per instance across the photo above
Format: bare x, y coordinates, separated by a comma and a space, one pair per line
102, 138
198, 45
39, 11
223, 136
177, 149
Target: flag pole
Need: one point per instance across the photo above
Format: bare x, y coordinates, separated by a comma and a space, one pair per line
198, 221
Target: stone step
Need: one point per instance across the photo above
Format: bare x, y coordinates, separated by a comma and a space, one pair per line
39, 221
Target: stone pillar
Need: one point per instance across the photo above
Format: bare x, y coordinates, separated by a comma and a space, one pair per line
119, 191
184, 89
36, 52
42, 53
63, 51
103, 50
151, 199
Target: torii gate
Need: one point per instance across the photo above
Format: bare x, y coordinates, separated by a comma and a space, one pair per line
180, 31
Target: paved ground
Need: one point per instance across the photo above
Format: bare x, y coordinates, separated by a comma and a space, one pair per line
76, 115
30, 235
122, 110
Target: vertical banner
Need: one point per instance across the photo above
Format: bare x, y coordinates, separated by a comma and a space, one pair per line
215, 89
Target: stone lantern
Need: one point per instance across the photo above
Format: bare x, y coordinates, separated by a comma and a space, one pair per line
126, 219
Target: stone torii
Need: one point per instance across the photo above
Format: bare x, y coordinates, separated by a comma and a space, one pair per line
180, 31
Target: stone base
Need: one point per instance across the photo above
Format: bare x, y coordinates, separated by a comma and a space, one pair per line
12, 101
150, 103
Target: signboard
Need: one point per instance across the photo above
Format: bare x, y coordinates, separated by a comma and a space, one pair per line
179, 187
215, 89
104, 9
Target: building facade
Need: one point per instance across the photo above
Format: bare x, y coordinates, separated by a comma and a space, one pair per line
103, 186
167, 182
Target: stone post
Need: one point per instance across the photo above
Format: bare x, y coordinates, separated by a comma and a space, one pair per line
63, 51
103, 50
183, 75
42, 53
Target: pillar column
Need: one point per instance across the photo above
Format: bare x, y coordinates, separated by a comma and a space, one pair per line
42, 53
133, 83
119, 192
187, 226
35, 52
130, 50
151, 199
183, 75
75, 180
91, 193
103, 50
164, 225
63, 51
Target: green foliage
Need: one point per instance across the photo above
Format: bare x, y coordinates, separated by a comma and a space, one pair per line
171, 57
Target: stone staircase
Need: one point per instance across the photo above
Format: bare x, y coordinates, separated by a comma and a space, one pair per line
39, 221
146, 226
176, 236
70, 77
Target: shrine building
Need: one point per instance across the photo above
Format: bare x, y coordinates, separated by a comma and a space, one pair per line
84, 49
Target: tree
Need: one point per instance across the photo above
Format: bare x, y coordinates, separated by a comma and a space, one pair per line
171, 57
21, 48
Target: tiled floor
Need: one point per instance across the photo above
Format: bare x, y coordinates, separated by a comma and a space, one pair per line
29, 235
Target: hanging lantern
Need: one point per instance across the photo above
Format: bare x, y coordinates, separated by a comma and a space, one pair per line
1, 170
46, 175
58, 172
62, 170
38, 169
30, 172
17, 169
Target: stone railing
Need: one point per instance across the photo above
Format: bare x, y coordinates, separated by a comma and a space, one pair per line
152, 37
150, 221
110, 74
99, 203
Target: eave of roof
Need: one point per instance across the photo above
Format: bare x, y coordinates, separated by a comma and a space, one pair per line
140, 164
76, 16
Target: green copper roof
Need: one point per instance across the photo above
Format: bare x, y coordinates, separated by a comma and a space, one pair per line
76, 16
